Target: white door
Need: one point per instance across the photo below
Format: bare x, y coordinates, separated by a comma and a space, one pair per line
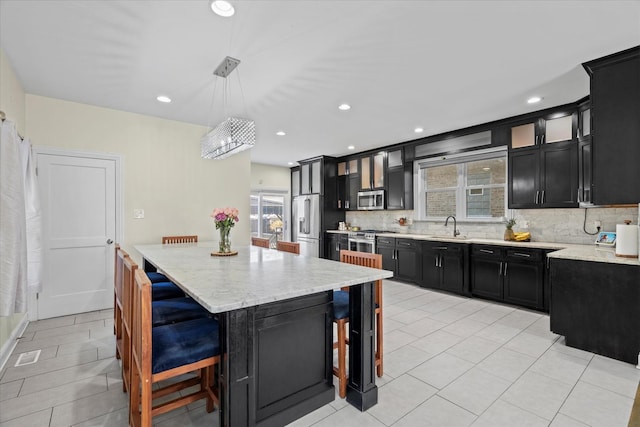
78, 197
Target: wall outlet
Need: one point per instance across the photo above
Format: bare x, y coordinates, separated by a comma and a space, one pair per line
138, 213
525, 224
597, 224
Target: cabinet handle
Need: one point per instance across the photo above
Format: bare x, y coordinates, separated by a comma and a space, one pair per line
542, 139
500, 269
578, 195
522, 255
440, 262
346, 204
542, 198
506, 264
402, 201
443, 248
437, 256
536, 139
535, 200
486, 251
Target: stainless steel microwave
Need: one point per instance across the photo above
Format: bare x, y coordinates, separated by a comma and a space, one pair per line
370, 200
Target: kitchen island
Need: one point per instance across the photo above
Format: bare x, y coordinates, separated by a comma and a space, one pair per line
276, 327
595, 297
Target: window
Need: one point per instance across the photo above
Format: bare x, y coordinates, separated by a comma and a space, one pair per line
469, 186
268, 215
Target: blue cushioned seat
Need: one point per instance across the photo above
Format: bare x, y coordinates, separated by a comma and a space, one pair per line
174, 310
183, 343
165, 290
340, 304
155, 277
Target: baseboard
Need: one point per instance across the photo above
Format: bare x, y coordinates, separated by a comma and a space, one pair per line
10, 344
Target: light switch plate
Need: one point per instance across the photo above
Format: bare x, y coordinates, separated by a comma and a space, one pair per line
138, 213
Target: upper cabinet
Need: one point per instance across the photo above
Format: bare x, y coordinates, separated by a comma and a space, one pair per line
372, 171
615, 127
400, 178
295, 181
543, 162
348, 184
585, 161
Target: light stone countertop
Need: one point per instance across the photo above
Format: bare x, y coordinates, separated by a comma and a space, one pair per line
562, 250
254, 276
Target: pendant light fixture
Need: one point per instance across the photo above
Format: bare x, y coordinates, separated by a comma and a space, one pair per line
234, 134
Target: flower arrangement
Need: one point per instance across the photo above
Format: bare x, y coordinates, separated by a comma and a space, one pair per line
225, 217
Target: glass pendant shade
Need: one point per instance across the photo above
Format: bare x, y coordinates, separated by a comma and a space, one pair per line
228, 138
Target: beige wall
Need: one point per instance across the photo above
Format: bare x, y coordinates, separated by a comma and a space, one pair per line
12, 102
162, 171
267, 177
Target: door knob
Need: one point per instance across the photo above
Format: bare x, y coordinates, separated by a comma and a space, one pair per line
109, 241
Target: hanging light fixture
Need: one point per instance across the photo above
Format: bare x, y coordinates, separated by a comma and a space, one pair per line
234, 134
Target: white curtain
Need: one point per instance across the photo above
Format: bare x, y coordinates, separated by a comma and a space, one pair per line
13, 241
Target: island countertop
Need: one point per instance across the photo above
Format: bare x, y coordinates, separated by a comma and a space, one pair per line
254, 276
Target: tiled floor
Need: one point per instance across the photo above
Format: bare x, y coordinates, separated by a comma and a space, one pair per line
449, 361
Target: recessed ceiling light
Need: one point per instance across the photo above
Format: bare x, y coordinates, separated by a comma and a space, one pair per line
281, 133
534, 99
344, 107
418, 130
290, 163
164, 98
351, 147
222, 8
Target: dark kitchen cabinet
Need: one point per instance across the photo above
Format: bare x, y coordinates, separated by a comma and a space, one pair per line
399, 181
543, 163
402, 256
348, 184
509, 274
444, 266
311, 177
615, 127
336, 242
372, 169
584, 153
295, 181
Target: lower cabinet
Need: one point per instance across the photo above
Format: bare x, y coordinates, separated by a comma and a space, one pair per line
336, 242
402, 256
508, 274
444, 266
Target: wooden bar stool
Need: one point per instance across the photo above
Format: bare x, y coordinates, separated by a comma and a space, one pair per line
117, 297
291, 247
259, 241
165, 352
341, 317
169, 240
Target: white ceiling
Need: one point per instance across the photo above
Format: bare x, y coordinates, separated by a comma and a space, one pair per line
400, 64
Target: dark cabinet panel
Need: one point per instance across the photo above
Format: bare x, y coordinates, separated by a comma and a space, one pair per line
402, 256
584, 171
395, 188
388, 257
513, 275
336, 242
524, 167
444, 266
615, 127
559, 188
399, 181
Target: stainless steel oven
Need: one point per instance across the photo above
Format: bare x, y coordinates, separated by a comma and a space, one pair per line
362, 242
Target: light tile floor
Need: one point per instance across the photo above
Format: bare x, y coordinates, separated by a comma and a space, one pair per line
449, 361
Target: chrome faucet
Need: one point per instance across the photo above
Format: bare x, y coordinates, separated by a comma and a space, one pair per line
456, 232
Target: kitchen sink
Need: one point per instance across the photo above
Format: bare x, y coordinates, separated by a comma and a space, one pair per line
448, 237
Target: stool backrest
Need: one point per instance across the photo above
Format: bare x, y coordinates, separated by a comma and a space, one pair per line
167, 240
259, 241
292, 247
365, 259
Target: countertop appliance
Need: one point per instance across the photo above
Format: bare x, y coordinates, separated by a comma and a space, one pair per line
364, 241
370, 200
306, 226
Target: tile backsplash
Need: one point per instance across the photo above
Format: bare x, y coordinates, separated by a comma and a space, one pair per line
545, 225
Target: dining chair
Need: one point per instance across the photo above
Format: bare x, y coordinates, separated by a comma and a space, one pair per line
179, 239
118, 296
341, 317
163, 312
292, 247
259, 241
166, 352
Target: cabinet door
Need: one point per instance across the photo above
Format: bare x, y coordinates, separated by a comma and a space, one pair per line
295, 182
365, 173
452, 266
584, 171
524, 280
305, 181
341, 192
316, 177
333, 249
388, 257
378, 170
559, 175
523, 136
395, 188
486, 278
408, 260
353, 186
558, 129
523, 178
430, 267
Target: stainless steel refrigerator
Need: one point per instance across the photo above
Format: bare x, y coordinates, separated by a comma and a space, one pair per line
306, 224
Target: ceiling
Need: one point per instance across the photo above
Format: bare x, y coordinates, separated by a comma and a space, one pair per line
403, 64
